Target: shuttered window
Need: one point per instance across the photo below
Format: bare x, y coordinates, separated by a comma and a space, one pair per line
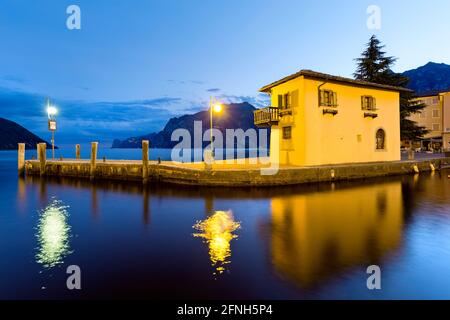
327, 98
368, 103
287, 101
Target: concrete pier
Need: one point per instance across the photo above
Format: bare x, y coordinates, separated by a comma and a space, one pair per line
221, 173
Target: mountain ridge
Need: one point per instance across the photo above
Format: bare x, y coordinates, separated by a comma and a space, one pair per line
12, 133
430, 78
234, 116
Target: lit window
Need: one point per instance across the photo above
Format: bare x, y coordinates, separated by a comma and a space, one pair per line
327, 98
287, 133
435, 113
380, 139
368, 103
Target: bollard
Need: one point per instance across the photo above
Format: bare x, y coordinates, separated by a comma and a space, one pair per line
42, 155
77, 152
21, 159
208, 159
145, 144
94, 147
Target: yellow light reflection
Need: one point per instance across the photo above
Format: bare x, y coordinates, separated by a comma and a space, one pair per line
217, 231
53, 235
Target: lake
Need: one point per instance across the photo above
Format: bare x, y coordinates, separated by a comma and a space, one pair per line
166, 242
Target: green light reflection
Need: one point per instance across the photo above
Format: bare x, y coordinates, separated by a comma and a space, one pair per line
53, 235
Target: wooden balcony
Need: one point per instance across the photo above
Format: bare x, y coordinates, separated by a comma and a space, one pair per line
266, 117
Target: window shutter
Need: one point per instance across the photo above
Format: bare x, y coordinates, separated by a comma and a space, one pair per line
321, 97
280, 101
334, 99
374, 104
289, 100
362, 102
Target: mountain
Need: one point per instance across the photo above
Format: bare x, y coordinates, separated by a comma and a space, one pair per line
430, 78
233, 116
12, 133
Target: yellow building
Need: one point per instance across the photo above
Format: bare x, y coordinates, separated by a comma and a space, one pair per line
319, 119
435, 117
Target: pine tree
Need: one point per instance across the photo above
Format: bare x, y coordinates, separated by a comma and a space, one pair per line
375, 66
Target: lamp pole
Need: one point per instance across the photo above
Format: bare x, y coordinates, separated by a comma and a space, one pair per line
214, 106
51, 112
211, 124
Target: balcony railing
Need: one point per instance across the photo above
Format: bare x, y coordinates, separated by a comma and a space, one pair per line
369, 108
266, 116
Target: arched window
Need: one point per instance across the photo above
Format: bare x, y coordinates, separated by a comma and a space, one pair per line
380, 139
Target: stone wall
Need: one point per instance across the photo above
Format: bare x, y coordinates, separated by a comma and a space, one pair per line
179, 174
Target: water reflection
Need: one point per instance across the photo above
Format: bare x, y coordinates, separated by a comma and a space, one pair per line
53, 235
316, 236
217, 232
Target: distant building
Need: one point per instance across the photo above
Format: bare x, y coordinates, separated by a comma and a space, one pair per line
319, 119
435, 117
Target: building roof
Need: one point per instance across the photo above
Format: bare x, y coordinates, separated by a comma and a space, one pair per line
432, 94
330, 78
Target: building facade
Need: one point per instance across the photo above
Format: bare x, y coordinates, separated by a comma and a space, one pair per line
435, 117
320, 119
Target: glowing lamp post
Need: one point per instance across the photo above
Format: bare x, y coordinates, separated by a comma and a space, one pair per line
216, 107
51, 112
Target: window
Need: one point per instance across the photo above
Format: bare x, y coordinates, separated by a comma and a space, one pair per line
435, 113
368, 103
287, 133
327, 98
435, 100
380, 139
284, 101
287, 101
436, 127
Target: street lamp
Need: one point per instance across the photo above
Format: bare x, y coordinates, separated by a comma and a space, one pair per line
214, 106
51, 113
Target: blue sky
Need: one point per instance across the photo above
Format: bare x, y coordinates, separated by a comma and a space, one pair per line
134, 64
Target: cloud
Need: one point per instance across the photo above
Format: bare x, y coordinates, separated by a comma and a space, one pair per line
83, 121
183, 82
80, 121
13, 79
259, 101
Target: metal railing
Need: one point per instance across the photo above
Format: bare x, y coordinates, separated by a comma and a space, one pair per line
266, 116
